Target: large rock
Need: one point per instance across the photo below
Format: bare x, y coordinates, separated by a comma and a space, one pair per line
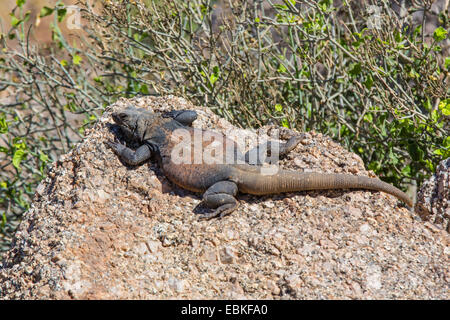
434, 196
100, 229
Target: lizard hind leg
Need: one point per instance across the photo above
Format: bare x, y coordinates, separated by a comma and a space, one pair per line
221, 197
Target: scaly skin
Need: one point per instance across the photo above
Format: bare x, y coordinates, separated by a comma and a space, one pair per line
220, 181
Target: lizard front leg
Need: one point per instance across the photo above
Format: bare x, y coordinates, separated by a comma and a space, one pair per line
221, 197
128, 155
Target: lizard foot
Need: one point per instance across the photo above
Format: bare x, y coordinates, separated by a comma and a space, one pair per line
220, 196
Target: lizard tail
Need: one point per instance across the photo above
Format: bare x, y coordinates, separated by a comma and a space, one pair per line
290, 181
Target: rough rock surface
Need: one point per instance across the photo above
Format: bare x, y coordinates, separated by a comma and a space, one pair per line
434, 196
100, 229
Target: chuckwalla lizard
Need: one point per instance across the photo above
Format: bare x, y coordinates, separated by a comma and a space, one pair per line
220, 181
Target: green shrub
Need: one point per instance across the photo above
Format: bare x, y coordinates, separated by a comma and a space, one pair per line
381, 90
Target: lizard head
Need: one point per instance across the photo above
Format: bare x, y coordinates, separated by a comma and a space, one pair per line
134, 121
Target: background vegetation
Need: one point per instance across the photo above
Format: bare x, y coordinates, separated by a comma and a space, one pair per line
370, 77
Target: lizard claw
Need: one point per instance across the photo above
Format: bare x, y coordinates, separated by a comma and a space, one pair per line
170, 114
220, 212
210, 215
115, 145
110, 143
205, 217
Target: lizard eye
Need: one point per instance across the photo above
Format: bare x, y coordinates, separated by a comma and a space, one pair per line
119, 117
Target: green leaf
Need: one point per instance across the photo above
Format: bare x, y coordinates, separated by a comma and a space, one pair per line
368, 117
18, 156
45, 11
27, 16
418, 30
446, 142
43, 157
285, 123
415, 152
407, 170
71, 106
280, 7
278, 107
14, 21
3, 124
212, 79
2, 225
357, 44
398, 36
383, 129
356, 69
282, 68
374, 165
427, 104
439, 34
20, 3
326, 3
369, 81
414, 74
444, 106
430, 165
144, 89
215, 75
76, 59
137, 37
447, 63
393, 157
18, 143
61, 13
